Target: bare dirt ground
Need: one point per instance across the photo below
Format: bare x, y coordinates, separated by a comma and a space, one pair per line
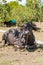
10, 57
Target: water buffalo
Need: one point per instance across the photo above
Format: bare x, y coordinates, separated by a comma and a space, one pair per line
21, 37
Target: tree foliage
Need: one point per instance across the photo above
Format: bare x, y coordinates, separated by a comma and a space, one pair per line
32, 11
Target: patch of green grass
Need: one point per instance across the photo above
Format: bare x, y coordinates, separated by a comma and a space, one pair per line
38, 60
4, 62
9, 62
